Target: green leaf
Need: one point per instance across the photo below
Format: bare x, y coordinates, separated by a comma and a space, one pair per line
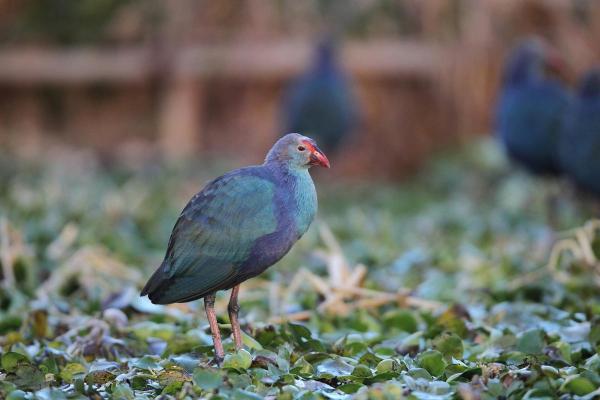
27, 377
122, 391
362, 371
240, 394
450, 345
350, 388
147, 363
11, 360
170, 376
334, 368
207, 379
17, 395
99, 377
9, 323
72, 371
579, 386
302, 367
433, 362
388, 365
403, 320
250, 342
531, 342
300, 332
241, 360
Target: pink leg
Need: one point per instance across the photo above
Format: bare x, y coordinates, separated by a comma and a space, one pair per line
209, 305
234, 309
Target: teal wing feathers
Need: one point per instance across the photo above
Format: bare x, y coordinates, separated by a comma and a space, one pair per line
213, 236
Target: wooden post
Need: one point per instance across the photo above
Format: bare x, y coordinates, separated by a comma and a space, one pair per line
179, 118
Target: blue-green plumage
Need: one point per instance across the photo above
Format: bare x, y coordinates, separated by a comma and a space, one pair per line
579, 148
239, 224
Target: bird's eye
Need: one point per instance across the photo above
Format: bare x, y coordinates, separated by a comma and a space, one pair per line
301, 148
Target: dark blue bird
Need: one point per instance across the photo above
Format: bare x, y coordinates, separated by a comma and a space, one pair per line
320, 103
580, 139
531, 108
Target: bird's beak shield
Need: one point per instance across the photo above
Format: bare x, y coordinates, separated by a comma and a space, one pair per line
318, 158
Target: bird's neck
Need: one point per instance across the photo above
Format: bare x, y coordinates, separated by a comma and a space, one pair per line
521, 71
300, 189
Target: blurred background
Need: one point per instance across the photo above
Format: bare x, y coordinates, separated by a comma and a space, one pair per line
136, 81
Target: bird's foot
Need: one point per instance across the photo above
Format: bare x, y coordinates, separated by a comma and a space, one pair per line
217, 361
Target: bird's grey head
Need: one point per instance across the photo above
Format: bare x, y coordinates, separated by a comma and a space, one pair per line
531, 59
297, 151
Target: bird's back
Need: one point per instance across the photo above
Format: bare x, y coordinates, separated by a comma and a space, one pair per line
580, 143
529, 123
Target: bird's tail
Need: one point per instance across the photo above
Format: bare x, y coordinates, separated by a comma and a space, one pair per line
155, 281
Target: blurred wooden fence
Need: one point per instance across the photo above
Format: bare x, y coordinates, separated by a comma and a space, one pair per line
417, 94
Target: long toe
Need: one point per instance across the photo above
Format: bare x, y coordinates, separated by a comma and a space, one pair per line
217, 361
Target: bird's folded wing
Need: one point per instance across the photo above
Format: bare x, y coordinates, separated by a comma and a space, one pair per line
215, 234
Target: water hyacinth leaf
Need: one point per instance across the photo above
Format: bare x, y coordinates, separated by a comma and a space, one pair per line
9, 323
362, 371
27, 377
350, 388
72, 371
300, 332
147, 329
122, 391
207, 379
564, 350
578, 385
303, 368
531, 342
17, 395
451, 320
450, 345
388, 365
173, 376
433, 361
334, 368
185, 361
240, 394
419, 373
11, 360
550, 371
147, 362
240, 360
99, 377
250, 342
403, 320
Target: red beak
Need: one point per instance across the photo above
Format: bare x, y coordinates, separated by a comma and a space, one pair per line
318, 158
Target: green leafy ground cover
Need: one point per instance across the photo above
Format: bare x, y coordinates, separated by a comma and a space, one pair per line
471, 233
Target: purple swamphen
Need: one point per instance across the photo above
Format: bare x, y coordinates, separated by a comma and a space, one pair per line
579, 149
531, 106
236, 227
320, 103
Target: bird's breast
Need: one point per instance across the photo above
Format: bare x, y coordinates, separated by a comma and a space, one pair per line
305, 199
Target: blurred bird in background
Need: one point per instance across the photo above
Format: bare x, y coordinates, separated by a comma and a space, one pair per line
531, 106
579, 149
320, 103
